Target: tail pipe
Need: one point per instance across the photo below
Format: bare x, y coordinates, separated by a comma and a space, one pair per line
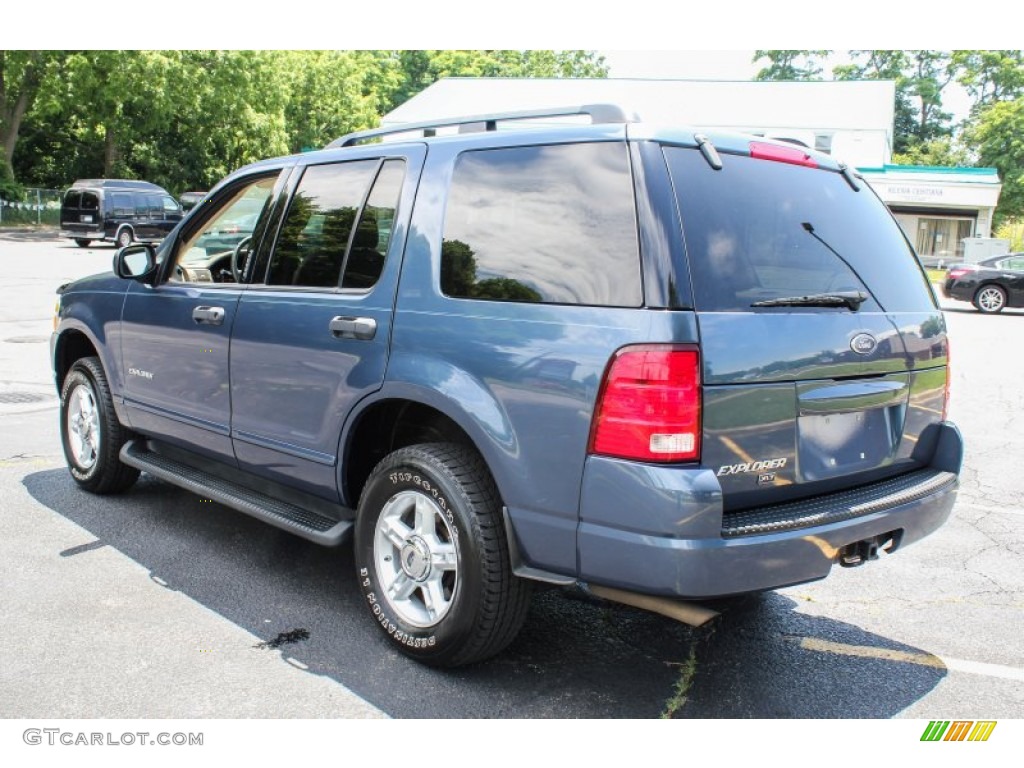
688, 613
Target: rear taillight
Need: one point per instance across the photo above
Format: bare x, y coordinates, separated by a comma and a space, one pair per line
793, 155
953, 274
649, 405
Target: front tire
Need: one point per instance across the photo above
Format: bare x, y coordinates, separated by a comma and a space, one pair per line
990, 299
90, 432
432, 557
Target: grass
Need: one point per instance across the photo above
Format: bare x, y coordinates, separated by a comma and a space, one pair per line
936, 275
687, 671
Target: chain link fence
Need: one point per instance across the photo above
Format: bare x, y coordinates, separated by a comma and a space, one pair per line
34, 208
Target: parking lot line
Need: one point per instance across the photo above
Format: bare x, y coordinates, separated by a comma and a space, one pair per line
911, 657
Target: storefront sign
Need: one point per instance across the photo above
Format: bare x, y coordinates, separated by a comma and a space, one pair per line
911, 194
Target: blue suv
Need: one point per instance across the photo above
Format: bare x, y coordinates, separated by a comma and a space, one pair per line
666, 365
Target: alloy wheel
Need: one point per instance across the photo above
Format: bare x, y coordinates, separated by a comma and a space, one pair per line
416, 558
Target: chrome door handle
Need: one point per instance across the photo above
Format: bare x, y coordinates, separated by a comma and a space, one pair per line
364, 328
208, 315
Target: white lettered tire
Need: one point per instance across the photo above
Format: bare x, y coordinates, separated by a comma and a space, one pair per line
432, 557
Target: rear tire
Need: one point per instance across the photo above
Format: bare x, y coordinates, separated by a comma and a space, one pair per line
125, 237
90, 432
81, 242
990, 299
432, 556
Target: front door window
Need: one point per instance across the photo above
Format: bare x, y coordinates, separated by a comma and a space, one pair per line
205, 253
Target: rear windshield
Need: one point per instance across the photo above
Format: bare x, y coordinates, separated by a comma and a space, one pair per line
758, 230
87, 201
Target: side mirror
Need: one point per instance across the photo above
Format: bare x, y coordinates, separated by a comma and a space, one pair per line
136, 262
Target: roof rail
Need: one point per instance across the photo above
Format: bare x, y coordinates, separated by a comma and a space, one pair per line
599, 114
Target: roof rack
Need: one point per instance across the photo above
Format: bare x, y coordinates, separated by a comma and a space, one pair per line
599, 114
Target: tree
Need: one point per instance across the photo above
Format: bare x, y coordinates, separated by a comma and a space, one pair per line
920, 77
332, 93
886, 65
930, 73
184, 119
945, 151
1012, 229
996, 132
22, 73
990, 76
790, 65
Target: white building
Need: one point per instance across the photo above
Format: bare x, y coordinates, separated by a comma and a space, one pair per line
938, 207
852, 120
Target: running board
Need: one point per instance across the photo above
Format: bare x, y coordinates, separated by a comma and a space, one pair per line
281, 514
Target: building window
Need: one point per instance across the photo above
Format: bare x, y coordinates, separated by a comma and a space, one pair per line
942, 238
823, 142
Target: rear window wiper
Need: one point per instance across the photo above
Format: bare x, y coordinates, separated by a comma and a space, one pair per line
850, 299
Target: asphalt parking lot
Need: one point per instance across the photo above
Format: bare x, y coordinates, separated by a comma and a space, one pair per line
158, 604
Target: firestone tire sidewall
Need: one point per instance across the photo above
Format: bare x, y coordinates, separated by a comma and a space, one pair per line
440, 643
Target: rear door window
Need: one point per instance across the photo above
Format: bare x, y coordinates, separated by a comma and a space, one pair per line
314, 237
372, 237
338, 226
758, 230
90, 201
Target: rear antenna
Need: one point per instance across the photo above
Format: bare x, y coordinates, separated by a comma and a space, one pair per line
708, 150
848, 175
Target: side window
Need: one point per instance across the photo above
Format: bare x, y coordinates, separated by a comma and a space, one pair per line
204, 255
315, 233
370, 243
121, 204
170, 206
139, 204
545, 224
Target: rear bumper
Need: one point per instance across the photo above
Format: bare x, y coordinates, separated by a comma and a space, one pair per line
958, 292
82, 234
660, 530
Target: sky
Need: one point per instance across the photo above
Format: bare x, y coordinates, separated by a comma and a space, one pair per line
662, 42
683, 65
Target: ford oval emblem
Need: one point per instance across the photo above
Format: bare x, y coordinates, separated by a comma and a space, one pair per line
863, 344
